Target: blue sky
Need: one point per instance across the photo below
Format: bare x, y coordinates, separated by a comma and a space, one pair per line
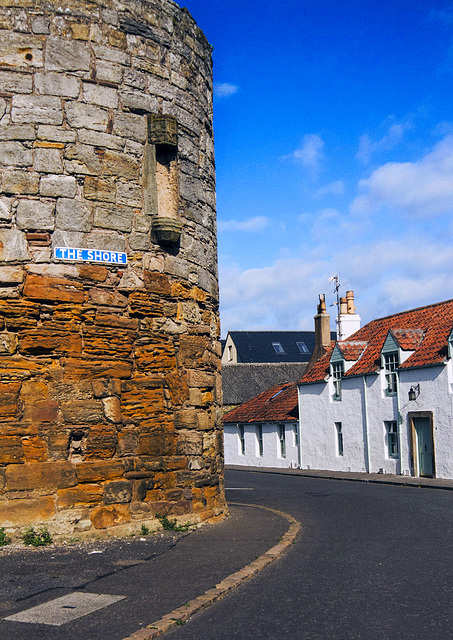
333, 126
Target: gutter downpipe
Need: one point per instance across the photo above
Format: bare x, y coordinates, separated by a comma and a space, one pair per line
399, 420
299, 440
365, 403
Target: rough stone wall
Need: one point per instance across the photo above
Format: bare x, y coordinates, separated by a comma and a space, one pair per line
109, 373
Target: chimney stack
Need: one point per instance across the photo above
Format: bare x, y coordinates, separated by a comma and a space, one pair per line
322, 331
348, 322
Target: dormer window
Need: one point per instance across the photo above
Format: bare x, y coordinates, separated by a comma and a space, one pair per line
337, 369
450, 345
391, 364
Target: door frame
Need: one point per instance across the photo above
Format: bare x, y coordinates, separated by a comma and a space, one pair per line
413, 437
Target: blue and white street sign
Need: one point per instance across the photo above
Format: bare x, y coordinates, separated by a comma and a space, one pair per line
89, 255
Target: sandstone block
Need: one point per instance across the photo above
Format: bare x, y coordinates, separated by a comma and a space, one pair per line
14, 154
201, 379
20, 182
5, 209
101, 442
11, 450
82, 159
55, 134
8, 343
107, 297
17, 132
80, 368
109, 71
73, 215
127, 443
128, 125
120, 165
21, 50
98, 471
135, 99
40, 25
42, 341
92, 272
86, 116
45, 475
35, 449
100, 95
68, 239
58, 186
35, 214
42, 412
13, 246
189, 443
48, 161
36, 110
67, 55
18, 513
15, 82
102, 189
57, 84
111, 55
112, 409
53, 289
109, 516
105, 388
118, 492
83, 495
113, 217
103, 140
82, 411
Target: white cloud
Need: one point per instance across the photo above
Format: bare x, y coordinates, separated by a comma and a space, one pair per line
334, 188
391, 138
422, 188
224, 89
251, 224
310, 153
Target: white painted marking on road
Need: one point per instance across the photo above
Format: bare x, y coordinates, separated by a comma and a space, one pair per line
238, 488
65, 609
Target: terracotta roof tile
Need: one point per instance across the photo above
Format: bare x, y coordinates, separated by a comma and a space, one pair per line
279, 403
351, 349
424, 330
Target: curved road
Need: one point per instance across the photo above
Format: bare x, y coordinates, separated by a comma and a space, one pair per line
373, 562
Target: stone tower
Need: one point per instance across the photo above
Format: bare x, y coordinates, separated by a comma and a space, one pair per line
109, 354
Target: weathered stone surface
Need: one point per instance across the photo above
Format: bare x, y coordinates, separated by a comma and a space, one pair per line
112, 408
82, 411
36, 109
20, 182
18, 513
13, 246
17, 131
8, 343
46, 475
15, 82
14, 154
73, 215
113, 217
81, 496
82, 159
20, 51
35, 449
100, 95
102, 189
48, 161
53, 289
35, 214
104, 517
129, 125
58, 186
57, 84
86, 116
119, 492
67, 55
99, 471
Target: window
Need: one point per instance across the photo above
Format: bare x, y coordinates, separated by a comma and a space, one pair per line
230, 353
296, 436
302, 347
337, 374
282, 440
391, 364
278, 347
392, 438
242, 440
259, 437
339, 431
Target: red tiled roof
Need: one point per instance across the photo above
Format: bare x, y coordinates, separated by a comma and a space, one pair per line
424, 330
279, 403
351, 349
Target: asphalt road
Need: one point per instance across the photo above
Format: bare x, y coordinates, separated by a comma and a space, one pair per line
373, 562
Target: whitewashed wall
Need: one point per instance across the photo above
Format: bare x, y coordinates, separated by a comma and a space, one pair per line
271, 446
318, 414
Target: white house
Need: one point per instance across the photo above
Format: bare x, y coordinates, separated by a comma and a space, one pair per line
381, 399
264, 432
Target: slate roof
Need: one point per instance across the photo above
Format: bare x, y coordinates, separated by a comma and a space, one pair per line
256, 346
424, 330
242, 382
277, 404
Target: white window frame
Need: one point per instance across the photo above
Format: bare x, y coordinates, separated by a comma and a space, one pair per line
391, 434
391, 362
241, 434
282, 440
339, 439
337, 372
259, 440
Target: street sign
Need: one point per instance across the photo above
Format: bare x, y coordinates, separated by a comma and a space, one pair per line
89, 255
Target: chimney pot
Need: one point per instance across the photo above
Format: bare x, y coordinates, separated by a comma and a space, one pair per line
350, 301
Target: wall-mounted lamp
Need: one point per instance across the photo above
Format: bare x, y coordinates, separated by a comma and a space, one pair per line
414, 392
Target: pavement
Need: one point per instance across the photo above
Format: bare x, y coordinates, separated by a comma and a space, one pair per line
382, 478
138, 588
